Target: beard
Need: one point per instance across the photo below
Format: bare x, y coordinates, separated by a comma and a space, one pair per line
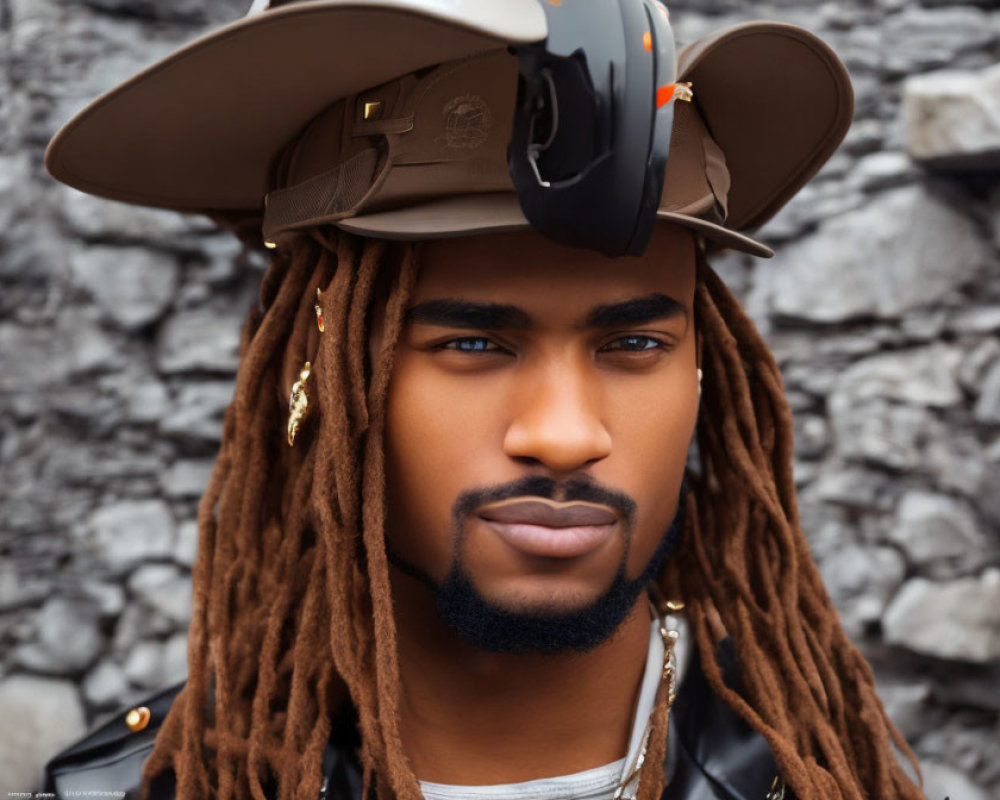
493, 627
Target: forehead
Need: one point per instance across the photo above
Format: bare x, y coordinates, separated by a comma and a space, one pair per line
527, 268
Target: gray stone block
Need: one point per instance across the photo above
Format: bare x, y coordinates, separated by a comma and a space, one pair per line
957, 620
148, 400
812, 436
881, 433
977, 362
917, 39
883, 170
925, 251
133, 286
152, 665
940, 535
98, 218
68, 638
18, 590
941, 780
186, 478
955, 461
197, 411
108, 598
854, 488
138, 621
924, 376
165, 589
983, 319
187, 543
40, 717
128, 532
144, 665
14, 178
861, 580
105, 685
953, 118
202, 339
175, 11
988, 406
906, 704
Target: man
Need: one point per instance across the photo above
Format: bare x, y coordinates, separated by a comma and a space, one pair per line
456, 581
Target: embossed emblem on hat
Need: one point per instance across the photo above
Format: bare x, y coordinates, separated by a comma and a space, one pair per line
467, 122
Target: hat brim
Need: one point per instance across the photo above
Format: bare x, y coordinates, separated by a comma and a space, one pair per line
199, 130
501, 212
778, 102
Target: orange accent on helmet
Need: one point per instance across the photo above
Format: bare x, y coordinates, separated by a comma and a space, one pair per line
647, 41
665, 94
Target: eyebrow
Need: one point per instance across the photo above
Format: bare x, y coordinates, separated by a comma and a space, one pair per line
635, 312
466, 314
499, 316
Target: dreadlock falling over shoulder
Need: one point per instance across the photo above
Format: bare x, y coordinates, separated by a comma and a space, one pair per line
745, 571
291, 601
292, 608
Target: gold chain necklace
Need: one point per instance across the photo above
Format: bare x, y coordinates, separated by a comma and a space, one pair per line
670, 635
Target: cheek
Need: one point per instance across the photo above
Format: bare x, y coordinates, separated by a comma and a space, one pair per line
431, 442
654, 436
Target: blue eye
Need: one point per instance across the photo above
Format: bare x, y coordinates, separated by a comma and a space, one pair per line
634, 344
470, 344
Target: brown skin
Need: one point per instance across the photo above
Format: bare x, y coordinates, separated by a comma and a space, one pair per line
557, 399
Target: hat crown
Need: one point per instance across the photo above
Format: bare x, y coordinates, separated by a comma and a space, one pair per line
442, 133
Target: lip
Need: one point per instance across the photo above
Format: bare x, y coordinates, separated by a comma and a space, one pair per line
555, 530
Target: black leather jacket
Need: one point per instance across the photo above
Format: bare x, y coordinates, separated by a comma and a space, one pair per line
712, 753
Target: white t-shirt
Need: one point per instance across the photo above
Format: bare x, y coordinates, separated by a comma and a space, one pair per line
599, 783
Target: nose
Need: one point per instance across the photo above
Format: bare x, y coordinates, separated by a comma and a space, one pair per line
557, 421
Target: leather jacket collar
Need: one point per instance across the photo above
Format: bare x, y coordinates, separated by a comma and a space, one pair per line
712, 753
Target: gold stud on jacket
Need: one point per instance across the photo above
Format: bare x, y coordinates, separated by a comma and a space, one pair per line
298, 403
138, 718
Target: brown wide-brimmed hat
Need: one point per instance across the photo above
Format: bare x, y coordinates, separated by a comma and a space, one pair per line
391, 118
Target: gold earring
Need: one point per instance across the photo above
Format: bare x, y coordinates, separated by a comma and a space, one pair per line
700, 375
298, 403
320, 323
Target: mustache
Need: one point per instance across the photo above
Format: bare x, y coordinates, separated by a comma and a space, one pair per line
576, 489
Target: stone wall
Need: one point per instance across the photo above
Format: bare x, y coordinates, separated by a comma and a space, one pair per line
118, 334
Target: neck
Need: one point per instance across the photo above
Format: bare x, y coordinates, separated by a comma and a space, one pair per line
471, 717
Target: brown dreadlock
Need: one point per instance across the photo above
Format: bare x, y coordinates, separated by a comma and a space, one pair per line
292, 612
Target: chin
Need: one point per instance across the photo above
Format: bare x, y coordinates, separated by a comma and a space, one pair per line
542, 595
542, 615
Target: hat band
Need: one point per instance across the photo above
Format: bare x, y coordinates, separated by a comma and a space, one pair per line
338, 192
324, 198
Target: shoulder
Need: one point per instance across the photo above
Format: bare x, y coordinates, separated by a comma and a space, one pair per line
108, 762
110, 758
712, 752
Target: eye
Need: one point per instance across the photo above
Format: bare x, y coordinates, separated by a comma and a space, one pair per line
470, 344
635, 344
